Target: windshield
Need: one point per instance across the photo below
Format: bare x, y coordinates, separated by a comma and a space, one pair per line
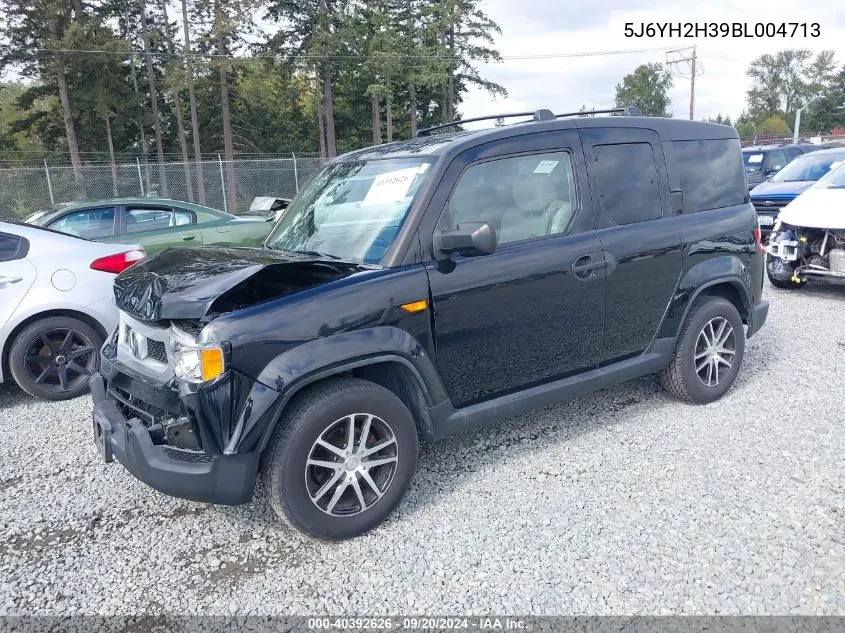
809, 167
753, 160
835, 178
351, 210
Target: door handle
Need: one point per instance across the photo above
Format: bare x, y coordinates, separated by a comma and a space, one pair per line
8, 281
584, 266
188, 238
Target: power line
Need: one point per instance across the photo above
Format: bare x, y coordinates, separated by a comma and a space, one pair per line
261, 55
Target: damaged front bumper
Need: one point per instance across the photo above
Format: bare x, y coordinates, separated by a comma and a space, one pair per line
198, 443
223, 479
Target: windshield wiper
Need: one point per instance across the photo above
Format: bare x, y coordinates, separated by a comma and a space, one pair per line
316, 254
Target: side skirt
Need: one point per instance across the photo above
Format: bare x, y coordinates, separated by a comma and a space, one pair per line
447, 421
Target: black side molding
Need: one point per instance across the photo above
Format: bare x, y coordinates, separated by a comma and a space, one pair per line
446, 420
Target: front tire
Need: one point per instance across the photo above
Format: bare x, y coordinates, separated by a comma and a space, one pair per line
341, 459
54, 357
709, 352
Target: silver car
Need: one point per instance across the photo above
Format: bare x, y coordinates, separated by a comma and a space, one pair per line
56, 307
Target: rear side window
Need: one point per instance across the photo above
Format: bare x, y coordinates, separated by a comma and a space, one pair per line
711, 173
12, 247
627, 181
142, 219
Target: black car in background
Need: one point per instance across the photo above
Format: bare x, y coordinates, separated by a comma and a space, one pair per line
763, 162
422, 288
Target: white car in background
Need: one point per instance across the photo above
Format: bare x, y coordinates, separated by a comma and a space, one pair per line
808, 241
56, 307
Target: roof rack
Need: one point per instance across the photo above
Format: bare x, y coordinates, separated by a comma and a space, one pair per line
537, 115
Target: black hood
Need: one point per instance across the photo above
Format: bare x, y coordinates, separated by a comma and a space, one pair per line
198, 282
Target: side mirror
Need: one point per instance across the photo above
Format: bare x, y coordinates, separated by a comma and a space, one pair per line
468, 239
774, 169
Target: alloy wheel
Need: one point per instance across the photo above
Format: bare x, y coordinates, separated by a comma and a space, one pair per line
351, 464
60, 359
715, 350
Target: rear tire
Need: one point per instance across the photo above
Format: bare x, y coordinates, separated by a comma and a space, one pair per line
54, 357
783, 277
709, 352
326, 486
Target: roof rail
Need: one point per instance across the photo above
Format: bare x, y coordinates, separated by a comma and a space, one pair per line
537, 115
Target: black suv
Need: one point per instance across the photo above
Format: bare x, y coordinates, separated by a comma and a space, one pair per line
422, 288
761, 163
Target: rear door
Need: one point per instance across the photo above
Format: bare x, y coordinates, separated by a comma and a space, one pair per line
533, 310
16, 274
634, 220
158, 227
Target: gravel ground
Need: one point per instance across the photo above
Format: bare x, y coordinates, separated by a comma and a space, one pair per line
622, 502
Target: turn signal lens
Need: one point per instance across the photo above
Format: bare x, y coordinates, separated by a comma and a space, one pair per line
415, 306
212, 363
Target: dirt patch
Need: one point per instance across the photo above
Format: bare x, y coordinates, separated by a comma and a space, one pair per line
185, 511
40, 541
229, 572
8, 483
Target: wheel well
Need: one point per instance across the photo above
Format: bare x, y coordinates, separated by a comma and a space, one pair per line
81, 316
393, 376
399, 379
728, 291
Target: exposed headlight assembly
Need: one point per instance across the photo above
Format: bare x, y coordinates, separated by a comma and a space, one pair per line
195, 362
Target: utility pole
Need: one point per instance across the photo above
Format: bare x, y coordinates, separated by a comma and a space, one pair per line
692, 85
688, 56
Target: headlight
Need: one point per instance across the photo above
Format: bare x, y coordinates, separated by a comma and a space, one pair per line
193, 362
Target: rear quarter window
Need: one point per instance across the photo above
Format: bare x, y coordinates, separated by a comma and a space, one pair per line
711, 173
628, 186
12, 247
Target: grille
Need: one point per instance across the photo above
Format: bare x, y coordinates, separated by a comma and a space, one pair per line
156, 351
186, 456
762, 206
132, 407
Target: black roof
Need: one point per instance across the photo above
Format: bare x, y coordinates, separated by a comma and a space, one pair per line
453, 142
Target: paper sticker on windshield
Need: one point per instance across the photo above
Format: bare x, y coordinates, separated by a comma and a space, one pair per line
755, 158
545, 166
389, 187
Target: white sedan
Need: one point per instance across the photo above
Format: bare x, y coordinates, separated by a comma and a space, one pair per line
56, 307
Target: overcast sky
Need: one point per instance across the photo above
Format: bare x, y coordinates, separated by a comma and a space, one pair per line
531, 27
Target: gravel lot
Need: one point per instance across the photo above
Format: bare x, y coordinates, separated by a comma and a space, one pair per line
623, 502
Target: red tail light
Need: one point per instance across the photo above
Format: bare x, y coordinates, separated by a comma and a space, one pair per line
118, 262
758, 237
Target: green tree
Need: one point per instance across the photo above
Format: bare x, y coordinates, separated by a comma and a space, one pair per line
774, 125
647, 88
18, 142
828, 111
785, 81
30, 26
721, 120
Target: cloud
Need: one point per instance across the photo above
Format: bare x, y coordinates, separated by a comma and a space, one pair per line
547, 27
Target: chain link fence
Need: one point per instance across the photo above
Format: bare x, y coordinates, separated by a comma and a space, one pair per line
25, 190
